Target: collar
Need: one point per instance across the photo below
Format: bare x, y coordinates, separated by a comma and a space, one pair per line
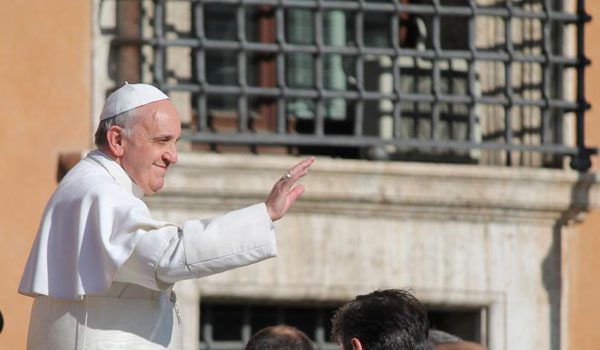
116, 172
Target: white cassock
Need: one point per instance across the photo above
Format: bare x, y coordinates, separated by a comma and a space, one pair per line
102, 269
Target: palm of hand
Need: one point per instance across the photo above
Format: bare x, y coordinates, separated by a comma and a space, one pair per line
284, 193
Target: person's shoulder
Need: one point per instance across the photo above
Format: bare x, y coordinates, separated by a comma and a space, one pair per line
86, 172
89, 180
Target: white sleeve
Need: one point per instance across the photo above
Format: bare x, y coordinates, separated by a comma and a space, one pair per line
201, 248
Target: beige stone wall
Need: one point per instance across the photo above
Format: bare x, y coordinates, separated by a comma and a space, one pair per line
45, 104
458, 235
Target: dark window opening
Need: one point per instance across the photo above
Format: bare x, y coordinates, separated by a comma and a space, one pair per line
228, 326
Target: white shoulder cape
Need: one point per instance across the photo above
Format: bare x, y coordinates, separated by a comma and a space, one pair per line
90, 227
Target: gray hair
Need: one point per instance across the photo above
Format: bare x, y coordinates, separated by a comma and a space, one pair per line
124, 120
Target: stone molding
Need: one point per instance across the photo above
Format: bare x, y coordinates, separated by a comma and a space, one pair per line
221, 182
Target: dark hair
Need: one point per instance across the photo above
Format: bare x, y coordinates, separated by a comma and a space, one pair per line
279, 338
382, 320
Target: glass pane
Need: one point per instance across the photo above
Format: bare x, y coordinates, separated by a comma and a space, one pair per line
299, 26
220, 22
223, 68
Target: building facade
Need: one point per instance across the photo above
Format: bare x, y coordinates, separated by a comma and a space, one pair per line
408, 105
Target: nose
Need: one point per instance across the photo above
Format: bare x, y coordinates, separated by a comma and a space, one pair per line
171, 155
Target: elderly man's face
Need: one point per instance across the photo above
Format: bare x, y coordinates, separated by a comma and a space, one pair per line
148, 152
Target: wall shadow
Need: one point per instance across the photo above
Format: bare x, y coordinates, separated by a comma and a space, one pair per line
552, 264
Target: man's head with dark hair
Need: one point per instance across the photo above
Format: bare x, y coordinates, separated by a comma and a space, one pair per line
279, 338
382, 320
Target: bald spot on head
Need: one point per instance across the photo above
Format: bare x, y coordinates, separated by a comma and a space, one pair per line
286, 331
279, 338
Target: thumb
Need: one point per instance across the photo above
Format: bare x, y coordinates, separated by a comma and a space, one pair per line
295, 193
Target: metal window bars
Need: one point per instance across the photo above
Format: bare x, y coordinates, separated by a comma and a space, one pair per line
229, 327
510, 98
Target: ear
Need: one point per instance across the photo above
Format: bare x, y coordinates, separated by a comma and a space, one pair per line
356, 345
114, 136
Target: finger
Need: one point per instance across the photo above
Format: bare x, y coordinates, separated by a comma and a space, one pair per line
295, 193
302, 165
298, 171
285, 177
292, 180
298, 174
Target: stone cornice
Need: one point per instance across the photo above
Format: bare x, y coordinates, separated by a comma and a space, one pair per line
220, 182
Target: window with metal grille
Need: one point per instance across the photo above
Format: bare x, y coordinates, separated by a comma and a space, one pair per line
228, 326
477, 81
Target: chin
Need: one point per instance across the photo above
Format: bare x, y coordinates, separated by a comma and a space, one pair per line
157, 188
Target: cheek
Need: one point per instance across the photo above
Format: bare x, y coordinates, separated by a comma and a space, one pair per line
145, 158
141, 163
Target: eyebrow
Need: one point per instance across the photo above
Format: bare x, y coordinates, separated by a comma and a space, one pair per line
165, 137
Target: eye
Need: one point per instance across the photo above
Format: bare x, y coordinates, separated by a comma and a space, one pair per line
162, 140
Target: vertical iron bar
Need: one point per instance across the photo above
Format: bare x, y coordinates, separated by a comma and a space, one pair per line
198, 17
319, 77
207, 329
547, 71
557, 118
246, 330
508, 90
359, 64
582, 161
242, 62
451, 127
320, 329
435, 79
281, 84
397, 110
472, 74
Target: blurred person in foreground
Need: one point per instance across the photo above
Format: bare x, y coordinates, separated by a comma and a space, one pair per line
102, 268
382, 320
279, 338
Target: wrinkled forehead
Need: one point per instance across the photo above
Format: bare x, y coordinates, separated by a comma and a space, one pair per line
162, 107
157, 114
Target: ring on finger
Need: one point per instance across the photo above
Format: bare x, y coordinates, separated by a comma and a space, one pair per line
287, 176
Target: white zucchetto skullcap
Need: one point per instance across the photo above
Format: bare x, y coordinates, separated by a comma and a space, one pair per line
130, 96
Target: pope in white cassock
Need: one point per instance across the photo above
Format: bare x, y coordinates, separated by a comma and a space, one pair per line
102, 268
